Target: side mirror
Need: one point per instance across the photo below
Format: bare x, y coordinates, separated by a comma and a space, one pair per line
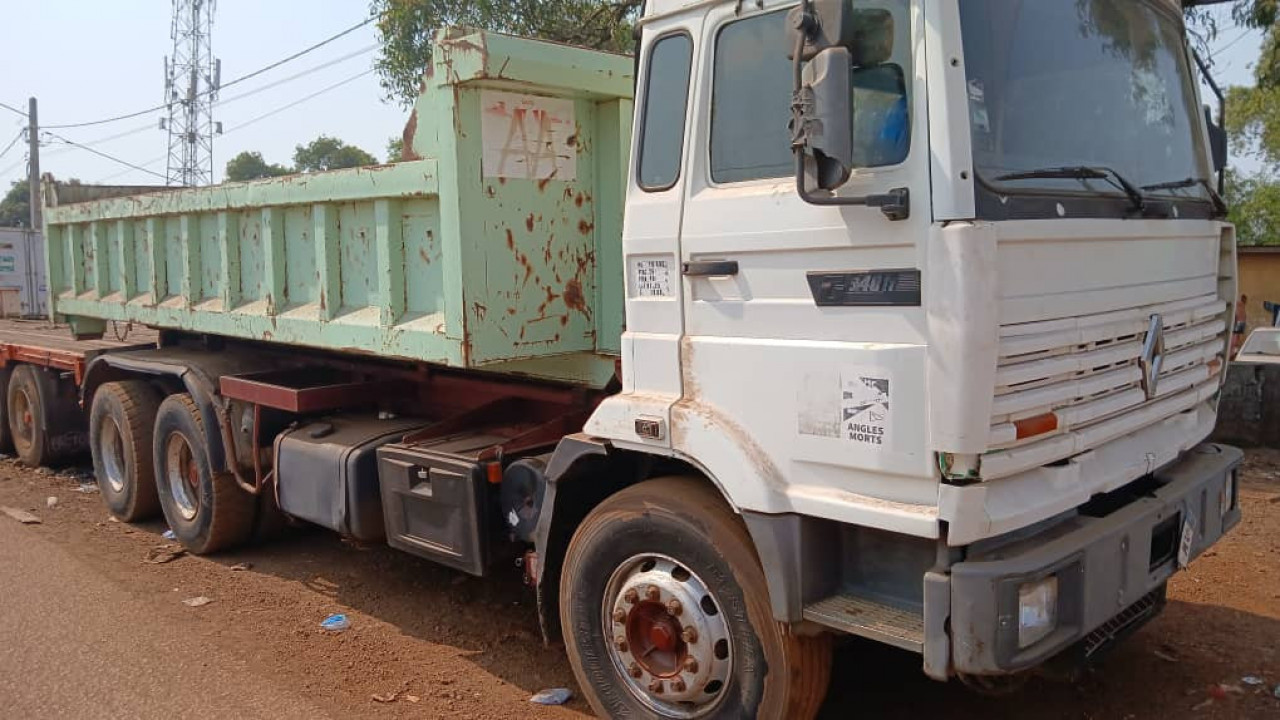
1217, 141
827, 116
820, 24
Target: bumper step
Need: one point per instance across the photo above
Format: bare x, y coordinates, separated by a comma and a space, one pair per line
869, 619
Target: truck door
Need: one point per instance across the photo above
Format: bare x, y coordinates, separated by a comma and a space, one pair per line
803, 351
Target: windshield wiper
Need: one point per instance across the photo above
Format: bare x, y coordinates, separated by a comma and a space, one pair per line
1218, 203
1085, 172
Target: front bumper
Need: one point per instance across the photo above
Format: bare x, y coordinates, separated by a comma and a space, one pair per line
1112, 565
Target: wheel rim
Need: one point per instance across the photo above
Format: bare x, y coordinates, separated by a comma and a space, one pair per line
667, 636
22, 419
182, 476
111, 450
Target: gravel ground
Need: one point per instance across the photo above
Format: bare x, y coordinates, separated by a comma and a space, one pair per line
440, 645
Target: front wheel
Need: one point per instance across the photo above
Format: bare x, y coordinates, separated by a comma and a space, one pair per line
666, 613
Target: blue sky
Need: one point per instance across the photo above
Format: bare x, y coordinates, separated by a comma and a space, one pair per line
89, 59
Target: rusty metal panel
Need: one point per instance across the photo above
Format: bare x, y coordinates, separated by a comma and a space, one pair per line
497, 248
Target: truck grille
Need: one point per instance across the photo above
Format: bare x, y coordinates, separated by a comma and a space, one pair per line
1080, 378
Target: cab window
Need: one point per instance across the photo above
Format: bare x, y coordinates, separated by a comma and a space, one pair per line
666, 99
751, 98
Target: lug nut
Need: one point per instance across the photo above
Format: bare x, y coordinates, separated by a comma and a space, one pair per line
656, 687
690, 634
674, 607
652, 594
635, 671
620, 644
631, 596
619, 616
677, 685
691, 665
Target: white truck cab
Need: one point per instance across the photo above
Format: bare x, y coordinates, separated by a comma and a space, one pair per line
957, 385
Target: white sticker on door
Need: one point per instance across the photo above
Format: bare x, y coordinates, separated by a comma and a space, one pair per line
864, 409
852, 404
528, 137
651, 277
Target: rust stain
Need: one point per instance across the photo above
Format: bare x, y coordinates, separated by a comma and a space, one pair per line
568, 193
546, 251
511, 240
490, 191
544, 182
585, 227
480, 311
572, 140
528, 222
579, 200
574, 299
512, 311
407, 139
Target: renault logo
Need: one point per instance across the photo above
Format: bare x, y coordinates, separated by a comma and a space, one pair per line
1152, 357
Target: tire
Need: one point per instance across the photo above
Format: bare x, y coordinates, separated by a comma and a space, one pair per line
25, 413
676, 536
6, 437
207, 512
121, 423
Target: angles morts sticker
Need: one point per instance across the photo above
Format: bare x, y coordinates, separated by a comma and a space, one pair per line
864, 409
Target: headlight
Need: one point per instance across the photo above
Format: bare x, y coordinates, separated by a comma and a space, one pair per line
1037, 611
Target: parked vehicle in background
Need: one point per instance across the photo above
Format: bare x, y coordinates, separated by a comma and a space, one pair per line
935, 365
1263, 346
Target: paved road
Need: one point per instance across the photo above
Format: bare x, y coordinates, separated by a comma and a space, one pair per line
75, 645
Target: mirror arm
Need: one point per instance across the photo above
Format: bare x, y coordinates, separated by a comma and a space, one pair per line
895, 204
1222, 109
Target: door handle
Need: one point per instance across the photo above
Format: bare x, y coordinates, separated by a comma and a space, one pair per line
711, 268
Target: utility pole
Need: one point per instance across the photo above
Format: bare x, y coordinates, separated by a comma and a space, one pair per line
33, 166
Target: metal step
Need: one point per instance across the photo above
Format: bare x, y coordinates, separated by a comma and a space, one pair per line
869, 619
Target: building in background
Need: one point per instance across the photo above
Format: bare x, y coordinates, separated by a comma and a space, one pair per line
1260, 282
23, 287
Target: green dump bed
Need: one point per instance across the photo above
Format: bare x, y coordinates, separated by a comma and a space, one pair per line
499, 249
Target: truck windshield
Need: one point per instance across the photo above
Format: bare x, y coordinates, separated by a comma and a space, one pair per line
1081, 83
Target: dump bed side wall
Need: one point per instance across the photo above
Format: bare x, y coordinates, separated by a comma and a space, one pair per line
466, 258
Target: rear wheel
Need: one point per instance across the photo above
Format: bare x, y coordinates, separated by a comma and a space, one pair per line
26, 417
207, 511
121, 423
666, 613
6, 437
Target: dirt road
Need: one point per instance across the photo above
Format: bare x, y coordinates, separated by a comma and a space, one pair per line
91, 630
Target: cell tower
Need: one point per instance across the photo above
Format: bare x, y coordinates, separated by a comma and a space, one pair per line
192, 78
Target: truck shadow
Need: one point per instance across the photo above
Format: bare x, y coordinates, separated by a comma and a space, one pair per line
1162, 671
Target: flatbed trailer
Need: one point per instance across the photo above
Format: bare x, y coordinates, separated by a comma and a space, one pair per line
44, 366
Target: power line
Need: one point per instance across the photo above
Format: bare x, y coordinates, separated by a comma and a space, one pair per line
16, 138
146, 164
1229, 45
112, 158
291, 78
298, 102
11, 108
228, 84
14, 166
104, 140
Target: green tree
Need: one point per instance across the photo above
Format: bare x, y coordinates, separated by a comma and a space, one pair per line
395, 150
327, 153
407, 27
250, 166
1255, 208
15, 208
